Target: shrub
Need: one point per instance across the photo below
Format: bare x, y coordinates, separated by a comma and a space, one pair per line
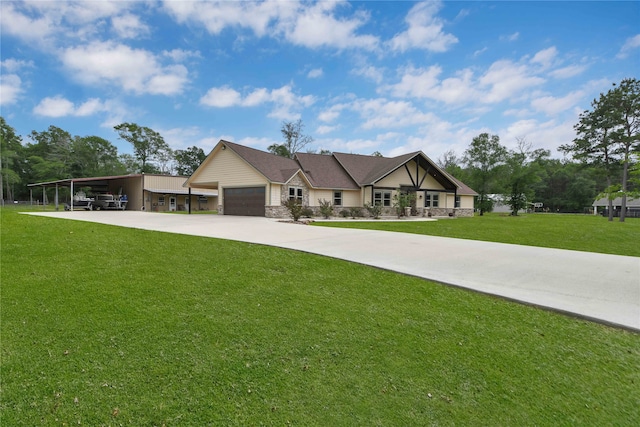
295, 209
307, 212
374, 210
344, 213
355, 212
326, 208
402, 200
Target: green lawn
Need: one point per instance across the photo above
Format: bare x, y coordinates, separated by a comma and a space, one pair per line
563, 231
103, 325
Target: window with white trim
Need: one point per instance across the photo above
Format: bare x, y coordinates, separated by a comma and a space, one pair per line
337, 198
457, 205
382, 198
295, 193
431, 199
160, 200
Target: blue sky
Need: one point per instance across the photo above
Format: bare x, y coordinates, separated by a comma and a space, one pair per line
392, 77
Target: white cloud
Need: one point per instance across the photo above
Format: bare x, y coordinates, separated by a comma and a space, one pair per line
215, 16
332, 113
568, 71
424, 30
283, 99
506, 80
370, 72
315, 73
323, 130
548, 135
631, 44
135, 70
10, 89
552, 105
382, 113
11, 65
181, 55
54, 107
316, 26
47, 23
58, 106
221, 97
129, 26
311, 25
545, 57
511, 37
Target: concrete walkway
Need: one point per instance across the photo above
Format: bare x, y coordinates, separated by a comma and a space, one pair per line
605, 288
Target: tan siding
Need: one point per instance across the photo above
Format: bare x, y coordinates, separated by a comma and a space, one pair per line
276, 190
164, 182
400, 178
229, 170
466, 202
352, 198
316, 195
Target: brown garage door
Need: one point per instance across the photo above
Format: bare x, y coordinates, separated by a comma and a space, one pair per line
247, 201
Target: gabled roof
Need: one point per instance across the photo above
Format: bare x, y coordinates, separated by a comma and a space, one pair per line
275, 168
366, 170
338, 171
324, 171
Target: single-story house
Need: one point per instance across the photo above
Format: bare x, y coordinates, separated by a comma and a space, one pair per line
143, 191
602, 206
257, 183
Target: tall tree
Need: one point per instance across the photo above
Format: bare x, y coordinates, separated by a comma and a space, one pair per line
10, 153
187, 161
625, 103
482, 158
52, 151
521, 175
294, 139
95, 156
607, 135
148, 145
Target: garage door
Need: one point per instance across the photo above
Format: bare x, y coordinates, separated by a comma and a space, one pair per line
247, 201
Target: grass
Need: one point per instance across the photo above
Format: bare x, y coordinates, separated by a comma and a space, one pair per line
562, 231
110, 326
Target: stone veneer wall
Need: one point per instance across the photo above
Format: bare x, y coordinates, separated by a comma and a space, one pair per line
283, 212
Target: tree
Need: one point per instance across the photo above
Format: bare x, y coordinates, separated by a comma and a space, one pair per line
607, 135
294, 139
625, 103
483, 157
10, 152
521, 174
53, 153
148, 145
95, 156
187, 161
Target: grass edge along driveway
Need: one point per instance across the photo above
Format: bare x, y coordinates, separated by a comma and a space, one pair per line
561, 231
109, 326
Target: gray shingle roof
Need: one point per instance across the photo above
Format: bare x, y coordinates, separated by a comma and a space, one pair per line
275, 168
339, 170
324, 171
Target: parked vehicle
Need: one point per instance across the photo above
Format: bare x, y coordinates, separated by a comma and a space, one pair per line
109, 201
80, 201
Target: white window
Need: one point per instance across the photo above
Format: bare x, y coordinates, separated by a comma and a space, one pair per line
431, 199
457, 202
382, 198
337, 198
295, 193
160, 200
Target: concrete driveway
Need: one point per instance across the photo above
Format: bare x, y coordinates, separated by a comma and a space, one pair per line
605, 288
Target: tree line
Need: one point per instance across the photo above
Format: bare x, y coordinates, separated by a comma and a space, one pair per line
604, 159
55, 154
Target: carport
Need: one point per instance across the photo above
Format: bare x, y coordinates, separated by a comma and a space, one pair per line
96, 184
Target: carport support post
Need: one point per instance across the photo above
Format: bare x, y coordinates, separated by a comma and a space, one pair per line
56, 200
189, 200
71, 197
